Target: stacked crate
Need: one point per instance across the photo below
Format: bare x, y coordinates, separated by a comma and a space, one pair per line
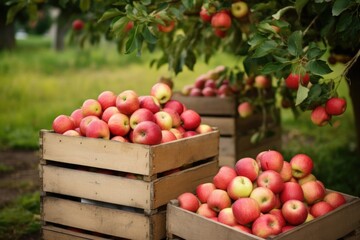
103, 189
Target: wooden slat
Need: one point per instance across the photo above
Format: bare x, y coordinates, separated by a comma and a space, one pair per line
226, 125
57, 233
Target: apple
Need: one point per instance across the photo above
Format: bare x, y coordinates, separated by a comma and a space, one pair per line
98, 129
320, 208
205, 211
245, 109
239, 186
200, 81
227, 217
167, 27
178, 134
150, 102
262, 81
271, 180
224, 176
188, 201
119, 124
218, 200
264, 197
204, 128
313, 192
129, 25
147, 132
62, 123
76, 116
78, 24
203, 191
221, 20
301, 165
247, 167
224, 90
107, 99
245, 210
85, 122
164, 120
167, 136
239, 9
292, 81
127, 102
91, 107
176, 120
319, 116
242, 228
294, 212
210, 83
205, 15
291, 190
278, 214
175, 105
286, 171
309, 217
266, 225
162, 92
209, 92
195, 92
287, 228
335, 106
335, 199
220, 33
189, 134
190, 119
71, 132
109, 112
307, 178
119, 139
141, 115
271, 160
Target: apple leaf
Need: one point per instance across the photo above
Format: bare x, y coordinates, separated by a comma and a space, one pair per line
301, 94
272, 67
340, 6
188, 3
111, 13
13, 10
279, 13
149, 36
265, 48
299, 5
314, 52
318, 67
295, 43
84, 5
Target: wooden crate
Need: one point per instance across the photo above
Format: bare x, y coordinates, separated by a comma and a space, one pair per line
235, 132
85, 184
341, 223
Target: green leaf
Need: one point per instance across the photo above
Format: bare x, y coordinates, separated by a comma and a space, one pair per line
146, 2
299, 5
190, 59
318, 67
131, 43
149, 36
279, 13
344, 22
85, 5
272, 67
111, 13
13, 11
188, 3
314, 52
301, 94
118, 25
295, 43
265, 48
340, 6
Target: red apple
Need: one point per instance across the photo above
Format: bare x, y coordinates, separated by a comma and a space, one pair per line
205, 211
141, 115
271, 180
167, 27
287, 228
320, 208
301, 165
262, 81
291, 190
313, 192
147, 132
119, 124
205, 15
150, 102
335, 199
224, 90
224, 176
278, 214
98, 129
164, 120
62, 123
245, 109
266, 225
307, 178
335, 106
319, 116
209, 92
127, 102
264, 197
195, 92
72, 132
218, 200
167, 136
271, 160
189, 134
85, 122
293, 80
109, 112
162, 92
107, 99
247, 167
227, 217
203, 191
129, 26
221, 20
178, 134
190, 119
76, 116
78, 24
91, 107
175, 105
119, 139
200, 81
220, 33
286, 172
188, 201
176, 120
242, 228
239, 186
294, 212
245, 210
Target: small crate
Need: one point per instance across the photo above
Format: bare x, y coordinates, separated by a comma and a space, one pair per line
85, 185
341, 223
235, 132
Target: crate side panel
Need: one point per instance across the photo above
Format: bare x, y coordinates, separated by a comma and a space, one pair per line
96, 186
96, 219
52, 232
97, 153
171, 186
226, 125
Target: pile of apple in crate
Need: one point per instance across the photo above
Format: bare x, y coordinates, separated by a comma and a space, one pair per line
110, 168
264, 197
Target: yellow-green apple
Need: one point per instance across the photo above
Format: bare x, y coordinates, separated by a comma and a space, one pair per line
204, 128
309, 217
291, 190
286, 172
294, 211
239, 186
127, 102
277, 213
178, 134
271, 160
167, 136
335, 199
189, 133
205, 211
167, 80
190, 119
107, 99
218, 200
119, 139
98, 129
109, 112
262, 81
205, 15
209, 92
203, 191
287, 228
119, 124
150, 102
62, 123
335, 106
85, 122
168, 26
313, 192
264, 197
147, 132
245, 109
265, 226
141, 115
224, 176
221, 20
319, 116
246, 210
301, 165
239, 9
78, 24
164, 120
71, 132
188, 201
320, 208
271, 180
307, 178
76, 116
292, 81
175, 105
227, 217
162, 92
247, 167
186, 89
91, 107
176, 120
242, 228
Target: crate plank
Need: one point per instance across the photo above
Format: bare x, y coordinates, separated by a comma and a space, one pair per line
51, 233
226, 125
